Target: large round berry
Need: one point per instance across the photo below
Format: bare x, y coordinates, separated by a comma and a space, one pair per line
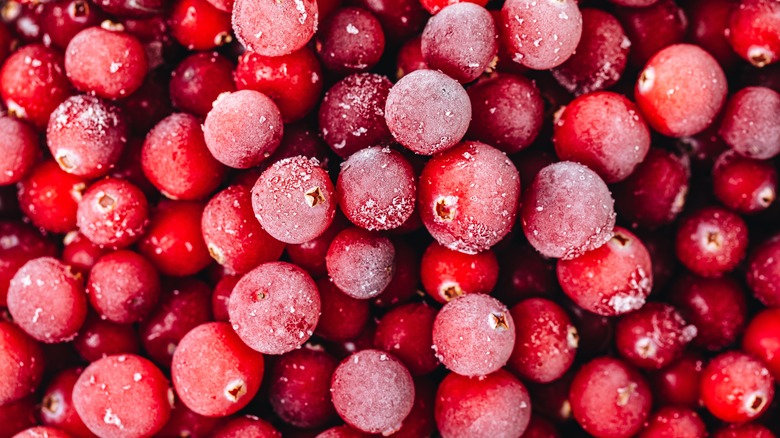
273, 28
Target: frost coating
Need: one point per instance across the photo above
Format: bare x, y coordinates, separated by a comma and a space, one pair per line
274, 28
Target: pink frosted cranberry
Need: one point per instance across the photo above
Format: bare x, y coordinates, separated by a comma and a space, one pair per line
123, 396
468, 197
123, 287
271, 28
42, 431
214, 373
360, 263
372, 391
567, 211
351, 40
113, 213
99, 338
21, 363
47, 300
751, 122
461, 332
19, 243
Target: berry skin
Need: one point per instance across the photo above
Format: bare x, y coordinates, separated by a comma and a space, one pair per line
744, 184
19, 244
21, 362
753, 31
406, 331
361, 263
198, 25
448, 274
350, 41
18, 142
57, 409
678, 383
736, 388
653, 336
762, 272
123, 287
674, 421
198, 80
750, 122
762, 338
112, 213
272, 28
711, 241
342, 317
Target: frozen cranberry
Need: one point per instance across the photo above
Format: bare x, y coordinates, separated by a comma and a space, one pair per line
186, 423
294, 200
342, 317
400, 19
123, 287
762, 339
113, 213
274, 308
546, 341
708, 23
271, 28
360, 263
448, 274
600, 58
174, 241
753, 31
351, 40
406, 332
300, 387
567, 211
198, 25
762, 272
198, 80
47, 301
61, 21
609, 398
539, 427
674, 421
541, 35
653, 336
220, 297
177, 161
681, 90
652, 26
405, 279
234, 237
310, 255
603, 131
19, 244
460, 41
736, 388
744, 184
751, 122
716, 307
420, 421
293, 81
507, 112
81, 254
247, 425
33, 83
668, 174
214, 373
743, 431
106, 62
149, 104
21, 363
468, 197
98, 338
523, 273
123, 396
711, 241
351, 116
372, 391
19, 143
461, 332
496, 405
678, 383
57, 408
410, 58
428, 112
42, 431
17, 416
377, 189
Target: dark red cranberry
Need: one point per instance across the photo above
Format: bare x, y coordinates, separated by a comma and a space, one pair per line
448, 274
421, 421
112, 213
310, 255
753, 31
406, 278
186, 423
198, 80
350, 41
401, 19
221, 296
763, 272
147, 106
678, 383
652, 26
17, 416
406, 332
57, 408
410, 58
19, 244
132, 8
507, 112
744, 184
185, 304
716, 307
750, 430
99, 338
198, 25
273, 28
61, 21
18, 142
494, 405
342, 317
21, 361
653, 337
736, 388
709, 21
523, 273
711, 241
174, 241
751, 122
247, 425
609, 398
674, 421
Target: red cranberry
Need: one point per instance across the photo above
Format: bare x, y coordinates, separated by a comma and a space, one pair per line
494, 405
198, 80
448, 274
147, 106
751, 122
342, 317
99, 338
197, 25
716, 307
310, 255
57, 409
360, 263
461, 332
743, 431
567, 211
507, 112
744, 184
678, 383
186, 423
708, 23
674, 421
711, 241
405, 279
278, 296
736, 387
469, 197
372, 391
18, 142
523, 273
546, 341
123, 287
651, 26
106, 62
406, 332
410, 58
247, 425
300, 387
753, 31
270, 28
113, 213
214, 373
33, 83
61, 21
17, 416
681, 90
174, 241
351, 40
42, 431
132, 8
47, 301
653, 337
609, 398
401, 19
762, 339
221, 296
21, 363
762, 272
19, 244
600, 58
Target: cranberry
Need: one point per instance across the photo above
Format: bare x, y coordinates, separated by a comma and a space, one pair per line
651, 26
546, 341
270, 28
678, 383
753, 31
403, 285
123, 396
761, 339
19, 142
406, 332
372, 391
148, 105
711, 241
609, 398
98, 338
19, 244
184, 422
198, 25
448, 274
342, 317
400, 19
123, 287
653, 336
360, 263
132, 8
494, 405
744, 184
17, 416
113, 213
198, 80
674, 421
57, 409
410, 58
247, 425
221, 296
735, 387
708, 23
35, 432
351, 40
743, 431
750, 122
21, 361
762, 272
61, 21
523, 273
310, 255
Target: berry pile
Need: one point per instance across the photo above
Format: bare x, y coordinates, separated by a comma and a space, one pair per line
407, 218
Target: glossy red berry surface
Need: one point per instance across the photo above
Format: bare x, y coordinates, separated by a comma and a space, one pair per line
407, 332
448, 274
753, 31
653, 336
197, 25
735, 387
744, 184
711, 241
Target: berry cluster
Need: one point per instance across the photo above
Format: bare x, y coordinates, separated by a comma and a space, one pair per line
407, 218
